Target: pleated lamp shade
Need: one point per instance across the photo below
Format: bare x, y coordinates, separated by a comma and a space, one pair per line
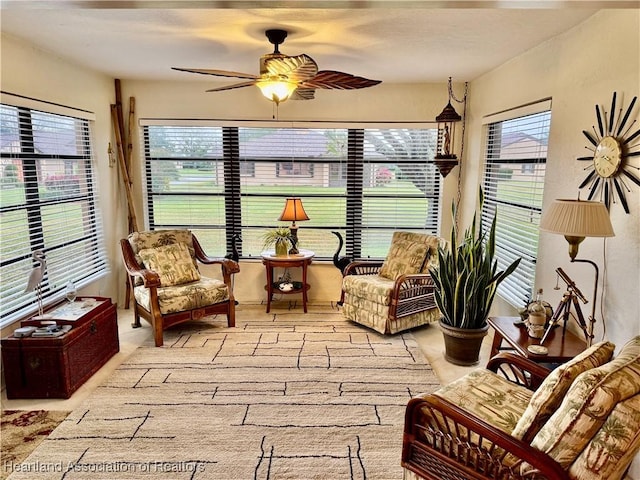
577, 218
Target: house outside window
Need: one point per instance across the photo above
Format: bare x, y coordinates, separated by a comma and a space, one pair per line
363, 183
515, 166
48, 203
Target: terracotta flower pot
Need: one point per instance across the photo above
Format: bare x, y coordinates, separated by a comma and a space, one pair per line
462, 345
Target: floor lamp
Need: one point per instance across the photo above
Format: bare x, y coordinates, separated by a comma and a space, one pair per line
576, 220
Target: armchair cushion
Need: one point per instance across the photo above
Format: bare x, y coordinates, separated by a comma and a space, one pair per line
407, 254
587, 405
489, 397
173, 264
549, 395
373, 288
189, 296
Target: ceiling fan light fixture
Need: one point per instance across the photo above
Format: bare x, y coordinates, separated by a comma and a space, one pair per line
276, 90
281, 75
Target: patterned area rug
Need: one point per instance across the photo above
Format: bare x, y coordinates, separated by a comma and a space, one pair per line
281, 396
22, 431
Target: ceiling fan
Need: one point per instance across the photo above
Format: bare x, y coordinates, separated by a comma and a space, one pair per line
283, 77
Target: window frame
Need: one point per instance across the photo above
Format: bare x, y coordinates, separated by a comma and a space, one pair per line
351, 167
83, 231
518, 289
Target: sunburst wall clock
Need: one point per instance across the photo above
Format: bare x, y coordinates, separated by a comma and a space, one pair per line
612, 145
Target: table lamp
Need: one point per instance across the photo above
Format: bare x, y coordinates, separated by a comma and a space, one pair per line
576, 220
293, 212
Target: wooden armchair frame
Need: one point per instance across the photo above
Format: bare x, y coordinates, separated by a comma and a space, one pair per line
151, 280
443, 441
411, 293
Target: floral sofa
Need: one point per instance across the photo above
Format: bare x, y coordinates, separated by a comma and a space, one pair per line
396, 294
517, 420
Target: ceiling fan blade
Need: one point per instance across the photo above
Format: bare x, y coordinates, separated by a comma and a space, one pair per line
303, 94
297, 68
217, 73
330, 79
232, 86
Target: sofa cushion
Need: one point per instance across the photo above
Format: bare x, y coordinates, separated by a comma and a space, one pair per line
588, 403
549, 395
206, 291
609, 453
407, 255
172, 263
488, 396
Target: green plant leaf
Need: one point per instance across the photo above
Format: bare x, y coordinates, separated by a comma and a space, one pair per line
466, 278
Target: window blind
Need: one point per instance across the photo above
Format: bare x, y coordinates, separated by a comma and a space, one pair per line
48, 203
515, 165
361, 182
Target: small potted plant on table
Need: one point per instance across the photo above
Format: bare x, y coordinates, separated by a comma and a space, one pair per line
280, 239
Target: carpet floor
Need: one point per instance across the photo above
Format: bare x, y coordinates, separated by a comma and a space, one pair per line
281, 396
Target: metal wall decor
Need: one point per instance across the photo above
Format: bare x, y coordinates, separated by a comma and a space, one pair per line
612, 144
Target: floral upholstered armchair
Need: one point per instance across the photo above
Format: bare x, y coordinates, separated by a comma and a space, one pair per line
516, 420
396, 294
162, 266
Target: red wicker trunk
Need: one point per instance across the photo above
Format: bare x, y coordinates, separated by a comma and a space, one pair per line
57, 367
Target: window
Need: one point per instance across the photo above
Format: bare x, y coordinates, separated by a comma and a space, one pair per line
515, 164
48, 203
291, 169
363, 183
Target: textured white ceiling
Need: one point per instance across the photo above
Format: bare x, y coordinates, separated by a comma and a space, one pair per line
414, 44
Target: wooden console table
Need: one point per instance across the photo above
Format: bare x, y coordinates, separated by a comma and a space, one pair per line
300, 260
55, 367
561, 347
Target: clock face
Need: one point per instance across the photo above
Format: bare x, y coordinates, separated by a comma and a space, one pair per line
608, 157
613, 146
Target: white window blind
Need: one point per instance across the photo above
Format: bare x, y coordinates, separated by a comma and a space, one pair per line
48, 203
515, 165
364, 183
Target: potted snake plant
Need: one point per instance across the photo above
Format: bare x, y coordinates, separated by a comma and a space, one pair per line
466, 280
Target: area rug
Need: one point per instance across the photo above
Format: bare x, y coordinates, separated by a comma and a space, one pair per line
22, 431
281, 396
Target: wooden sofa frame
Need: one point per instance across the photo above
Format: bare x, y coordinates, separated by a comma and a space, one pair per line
449, 443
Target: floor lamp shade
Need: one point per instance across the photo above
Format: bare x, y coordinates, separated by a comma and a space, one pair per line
577, 219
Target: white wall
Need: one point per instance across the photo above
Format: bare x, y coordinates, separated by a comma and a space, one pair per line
578, 69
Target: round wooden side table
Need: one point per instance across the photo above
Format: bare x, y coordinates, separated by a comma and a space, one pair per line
300, 260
